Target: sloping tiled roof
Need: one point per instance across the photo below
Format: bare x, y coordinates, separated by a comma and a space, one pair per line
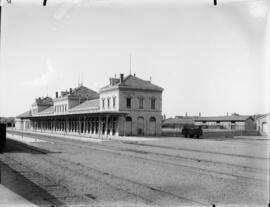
25, 114
223, 118
48, 110
136, 83
87, 105
83, 92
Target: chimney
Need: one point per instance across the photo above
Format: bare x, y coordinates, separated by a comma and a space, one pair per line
134, 74
56, 94
121, 78
227, 113
186, 114
70, 90
200, 114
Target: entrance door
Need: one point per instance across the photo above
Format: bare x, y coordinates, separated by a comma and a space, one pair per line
152, 126
128, 127
140, 126
265, 127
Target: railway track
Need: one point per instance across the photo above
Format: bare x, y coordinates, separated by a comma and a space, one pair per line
193, 150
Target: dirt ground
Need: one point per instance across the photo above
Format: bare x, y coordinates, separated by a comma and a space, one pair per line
142, 172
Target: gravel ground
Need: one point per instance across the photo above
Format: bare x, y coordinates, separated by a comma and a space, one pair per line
162, 172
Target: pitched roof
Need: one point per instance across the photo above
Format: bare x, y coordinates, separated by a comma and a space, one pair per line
81, 91
135, 83
179, 121
87, 105
48, 110
262, 116
25, 114
224, 118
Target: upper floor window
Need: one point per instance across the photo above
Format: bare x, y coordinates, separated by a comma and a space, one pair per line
114, 100
128, 102
103, 103
141, 103
153, 103
65, 107
108, 102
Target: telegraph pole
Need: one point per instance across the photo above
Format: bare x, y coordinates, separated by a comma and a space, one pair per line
1, 4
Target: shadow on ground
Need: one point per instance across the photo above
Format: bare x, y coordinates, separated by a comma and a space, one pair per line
20, 185
13, 146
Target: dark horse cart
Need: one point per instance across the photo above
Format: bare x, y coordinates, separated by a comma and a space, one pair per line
2, 137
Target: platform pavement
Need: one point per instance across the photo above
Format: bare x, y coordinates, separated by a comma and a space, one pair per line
10, 199
89, 138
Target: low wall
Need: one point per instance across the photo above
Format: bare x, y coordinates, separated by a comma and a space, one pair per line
214, 134
247, 133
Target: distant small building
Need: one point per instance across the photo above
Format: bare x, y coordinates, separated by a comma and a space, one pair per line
262, 124
231, 122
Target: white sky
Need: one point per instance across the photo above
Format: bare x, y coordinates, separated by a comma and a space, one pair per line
209, 59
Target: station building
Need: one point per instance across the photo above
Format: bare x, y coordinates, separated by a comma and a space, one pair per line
127, 106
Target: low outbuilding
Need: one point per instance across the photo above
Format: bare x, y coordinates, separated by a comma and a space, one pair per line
262, 124
231, 122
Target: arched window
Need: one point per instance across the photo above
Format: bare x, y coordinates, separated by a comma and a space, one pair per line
128, 118
152, 119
